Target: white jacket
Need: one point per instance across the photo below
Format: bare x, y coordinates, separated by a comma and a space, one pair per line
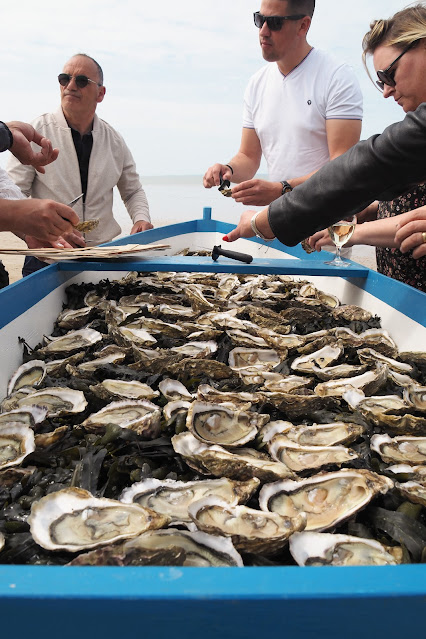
111, 164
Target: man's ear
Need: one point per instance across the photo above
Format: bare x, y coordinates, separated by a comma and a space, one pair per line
101, 93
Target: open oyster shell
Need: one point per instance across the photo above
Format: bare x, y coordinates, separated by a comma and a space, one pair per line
300, 458
119, 389
73, 519
71, 342
326, 498
57, 399
30, 374
325, 549
403, 449
249, 357
2, 541
369, 382
314, 435
173, 498
241, 464
173, 390
250, 530
16, 442
216, 424
143, 417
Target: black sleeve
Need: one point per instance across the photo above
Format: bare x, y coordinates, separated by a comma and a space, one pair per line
6, 137
379, 168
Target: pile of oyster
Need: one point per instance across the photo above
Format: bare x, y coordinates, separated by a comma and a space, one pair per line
213, 420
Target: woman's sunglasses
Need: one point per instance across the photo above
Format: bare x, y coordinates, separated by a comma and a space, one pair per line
388, 75
274, 22
80, 80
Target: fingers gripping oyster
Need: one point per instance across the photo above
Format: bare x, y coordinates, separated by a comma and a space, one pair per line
16, 442
250, 530
73, 519
143, 417
325, 549
326, 498
173, 498
215, 424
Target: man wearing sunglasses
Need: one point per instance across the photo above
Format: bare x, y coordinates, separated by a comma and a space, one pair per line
300, 111
93, 159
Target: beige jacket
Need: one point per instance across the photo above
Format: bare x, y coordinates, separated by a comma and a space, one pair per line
111, 164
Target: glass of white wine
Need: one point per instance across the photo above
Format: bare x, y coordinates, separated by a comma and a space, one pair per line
340, 233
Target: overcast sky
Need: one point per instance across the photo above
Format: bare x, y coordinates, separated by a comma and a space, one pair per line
175, 72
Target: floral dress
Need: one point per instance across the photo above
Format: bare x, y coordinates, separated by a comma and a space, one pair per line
390, 261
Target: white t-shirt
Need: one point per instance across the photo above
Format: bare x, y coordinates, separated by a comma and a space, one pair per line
289, 112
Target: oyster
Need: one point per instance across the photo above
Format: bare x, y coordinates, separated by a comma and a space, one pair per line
116, 389
198, 548
172, 409
250, 530
414, 491
196, 349
403, 449
287, 384
174, 390
71, 342
2, 541
216, 424
326, 498
142, 417
57, 367
172, 498
242, 464
57, 399
325, 549
370, 356
44, 440
314, 435
300, 458
416, 395
74, 319
30, 416
132, 336
369, 382
73, 519
30, 374
249, 357
319, 359
16, 442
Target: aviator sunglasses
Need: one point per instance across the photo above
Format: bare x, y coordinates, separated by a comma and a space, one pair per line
80, 80
388, 75
274, 22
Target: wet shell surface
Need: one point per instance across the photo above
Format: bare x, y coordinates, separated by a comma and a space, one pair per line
30, 374
72, 519
142, 417
57, 400
16, 442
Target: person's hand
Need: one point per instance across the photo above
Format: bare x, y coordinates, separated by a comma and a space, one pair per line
320, 239
45, 220
139, 227
243, 229
21, 148
257, 192
73, 240
212, 175
411, 233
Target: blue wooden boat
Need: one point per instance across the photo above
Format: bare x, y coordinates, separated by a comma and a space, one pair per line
289, 602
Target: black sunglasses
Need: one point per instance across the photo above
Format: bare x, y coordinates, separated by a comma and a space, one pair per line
80, 80
274, 22
388, 76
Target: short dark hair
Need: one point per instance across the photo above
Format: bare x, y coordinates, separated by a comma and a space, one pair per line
307, 7
98, 66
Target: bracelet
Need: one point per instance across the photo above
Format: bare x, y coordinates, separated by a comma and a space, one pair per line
230, 168
256, 230
6, 146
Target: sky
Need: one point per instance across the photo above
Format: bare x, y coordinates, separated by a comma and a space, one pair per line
175, 72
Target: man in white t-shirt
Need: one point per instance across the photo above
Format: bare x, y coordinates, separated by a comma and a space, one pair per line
299, 113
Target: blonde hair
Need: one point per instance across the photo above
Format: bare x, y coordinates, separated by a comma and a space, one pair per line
402, 29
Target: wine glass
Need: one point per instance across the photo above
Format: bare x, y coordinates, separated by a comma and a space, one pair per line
340, 233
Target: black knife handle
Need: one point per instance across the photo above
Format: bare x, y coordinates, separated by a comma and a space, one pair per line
234, 255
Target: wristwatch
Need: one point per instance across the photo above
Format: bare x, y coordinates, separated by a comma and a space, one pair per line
286, 187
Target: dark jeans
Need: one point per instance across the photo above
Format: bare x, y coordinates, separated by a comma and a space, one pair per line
31, 265
4, 276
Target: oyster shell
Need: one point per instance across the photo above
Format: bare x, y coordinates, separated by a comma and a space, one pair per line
403, 449
196, 349
74, 319
16, 442
414, 491
57, 399
216, 424
326, 498
370, 356
142, 417
242, 464
119, 389
30, 374
250, 530
314, 435
173, 390
369, 382
173, 498
73, 519
250, 357
71, 342
199, 548
287, 384
416, 395
325, 549
319, 359
132, 336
